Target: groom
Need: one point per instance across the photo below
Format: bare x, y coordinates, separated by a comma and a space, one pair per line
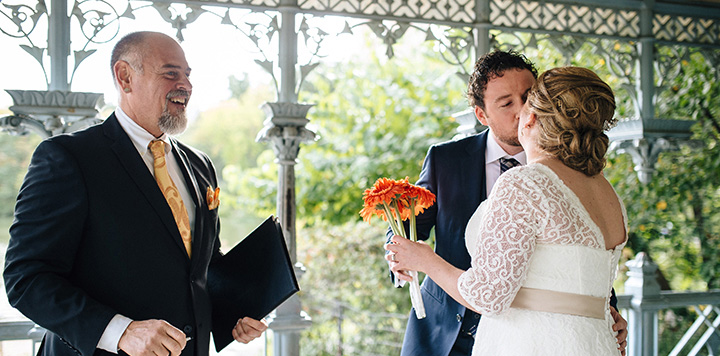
461, 174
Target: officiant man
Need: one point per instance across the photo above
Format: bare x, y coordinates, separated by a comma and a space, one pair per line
461, 174
113, 231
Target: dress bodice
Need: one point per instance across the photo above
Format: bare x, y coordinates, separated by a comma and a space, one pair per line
534, 232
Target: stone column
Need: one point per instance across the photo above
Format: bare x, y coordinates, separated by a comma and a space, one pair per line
643, 324
285, 130
59, 44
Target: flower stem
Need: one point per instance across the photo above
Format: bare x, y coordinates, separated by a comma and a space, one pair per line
398, 218
413, 228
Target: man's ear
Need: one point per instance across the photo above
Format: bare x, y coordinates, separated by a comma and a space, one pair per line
123, 74
480, 115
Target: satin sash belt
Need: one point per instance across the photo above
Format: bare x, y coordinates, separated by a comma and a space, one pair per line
559, 302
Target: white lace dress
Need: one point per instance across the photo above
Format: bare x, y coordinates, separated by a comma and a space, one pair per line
534, 232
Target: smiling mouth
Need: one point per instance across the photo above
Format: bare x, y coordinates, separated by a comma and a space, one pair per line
179, 101
179, 97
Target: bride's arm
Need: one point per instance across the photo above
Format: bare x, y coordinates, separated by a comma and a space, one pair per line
418, 256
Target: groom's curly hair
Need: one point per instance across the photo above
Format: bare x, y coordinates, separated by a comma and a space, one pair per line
494, 65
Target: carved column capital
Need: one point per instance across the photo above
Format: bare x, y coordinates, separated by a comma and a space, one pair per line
50, 113
285, 129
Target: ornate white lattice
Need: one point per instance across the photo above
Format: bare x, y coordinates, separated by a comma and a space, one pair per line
246, 3
460, 11
686, 29
564, 18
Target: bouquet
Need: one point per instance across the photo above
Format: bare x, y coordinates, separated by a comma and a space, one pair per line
396, 201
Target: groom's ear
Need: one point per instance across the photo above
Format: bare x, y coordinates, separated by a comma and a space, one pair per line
480, 115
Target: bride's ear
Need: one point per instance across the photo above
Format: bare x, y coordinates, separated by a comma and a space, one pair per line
532, 119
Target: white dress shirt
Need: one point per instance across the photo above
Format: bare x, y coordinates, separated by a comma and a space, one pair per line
493, 152
141, 139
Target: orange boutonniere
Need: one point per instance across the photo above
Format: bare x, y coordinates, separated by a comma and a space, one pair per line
213, 198
395, 201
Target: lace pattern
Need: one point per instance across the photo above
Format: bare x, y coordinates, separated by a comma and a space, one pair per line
529, 206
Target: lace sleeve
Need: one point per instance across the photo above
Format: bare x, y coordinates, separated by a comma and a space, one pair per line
505, 243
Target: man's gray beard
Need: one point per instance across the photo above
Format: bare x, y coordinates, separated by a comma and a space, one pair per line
172, 124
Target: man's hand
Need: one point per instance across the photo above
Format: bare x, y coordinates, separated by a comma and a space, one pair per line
621, 327
248, 329
152, 337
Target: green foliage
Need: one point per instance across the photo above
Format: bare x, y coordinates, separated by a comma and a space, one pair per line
374, 119
238, 87
227, 131
347, 291
676, 217
227, 134
15, 153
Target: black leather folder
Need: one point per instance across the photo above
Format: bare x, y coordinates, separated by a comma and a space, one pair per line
252, 279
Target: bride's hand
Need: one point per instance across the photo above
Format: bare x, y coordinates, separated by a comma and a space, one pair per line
405, 255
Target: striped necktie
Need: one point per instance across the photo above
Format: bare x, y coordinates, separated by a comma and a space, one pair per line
507, 163
171, 193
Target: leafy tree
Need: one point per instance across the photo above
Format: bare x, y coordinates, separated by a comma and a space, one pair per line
15, 153
676, 217
374, 119
227, 134
348, 293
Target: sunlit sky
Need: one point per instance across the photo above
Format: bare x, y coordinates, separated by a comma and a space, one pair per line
214, 51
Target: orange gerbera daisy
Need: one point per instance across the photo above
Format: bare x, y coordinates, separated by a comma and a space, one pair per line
383, 191
422, 197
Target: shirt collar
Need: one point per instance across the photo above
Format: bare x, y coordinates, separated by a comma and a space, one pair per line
494, 152
138, 135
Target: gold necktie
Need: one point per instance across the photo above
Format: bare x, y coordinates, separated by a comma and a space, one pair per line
171, 193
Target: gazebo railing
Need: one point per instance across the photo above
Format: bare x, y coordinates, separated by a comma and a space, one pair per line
641, 306
644, 301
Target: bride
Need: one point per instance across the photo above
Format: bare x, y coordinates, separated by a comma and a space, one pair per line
545, 245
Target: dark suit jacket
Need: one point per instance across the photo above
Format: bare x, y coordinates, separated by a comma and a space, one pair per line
455, 173
93, 236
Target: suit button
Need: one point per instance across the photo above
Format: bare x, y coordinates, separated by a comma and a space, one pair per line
188, 329
458, 317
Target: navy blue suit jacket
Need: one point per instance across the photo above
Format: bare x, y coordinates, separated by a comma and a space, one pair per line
455, 172
93, 236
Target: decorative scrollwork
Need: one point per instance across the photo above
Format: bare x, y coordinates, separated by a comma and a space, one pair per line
314, 39
177, 16
668, 64
620, 59
260, 28
461, 11
456, 46
389, 32
99, 24
23, 18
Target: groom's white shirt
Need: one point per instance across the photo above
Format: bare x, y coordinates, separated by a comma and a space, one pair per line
493, 152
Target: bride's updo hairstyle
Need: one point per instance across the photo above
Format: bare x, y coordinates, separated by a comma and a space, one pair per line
574, 108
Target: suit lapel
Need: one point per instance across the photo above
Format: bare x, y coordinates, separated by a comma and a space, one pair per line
194, 190
131, 161
476, 151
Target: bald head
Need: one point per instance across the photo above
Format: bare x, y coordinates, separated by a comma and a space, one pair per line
132, 49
